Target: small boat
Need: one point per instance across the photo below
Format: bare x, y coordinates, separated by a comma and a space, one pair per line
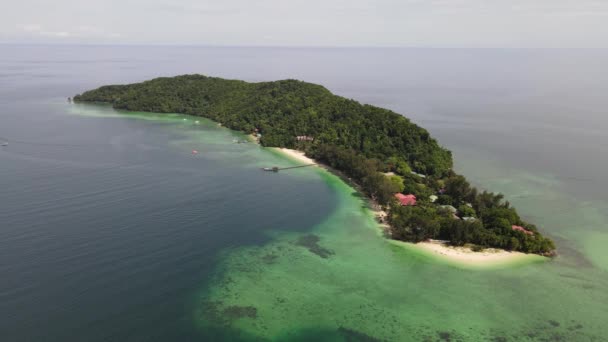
194, 151
4, 144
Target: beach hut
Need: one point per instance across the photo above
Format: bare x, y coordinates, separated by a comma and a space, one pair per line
449, 208
418, 174
406, 200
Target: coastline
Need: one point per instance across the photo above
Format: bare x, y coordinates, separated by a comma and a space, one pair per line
462, 256
296, 155
459, 256
465, 256
366, 132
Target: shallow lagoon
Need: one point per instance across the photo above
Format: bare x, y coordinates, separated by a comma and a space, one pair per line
349, 282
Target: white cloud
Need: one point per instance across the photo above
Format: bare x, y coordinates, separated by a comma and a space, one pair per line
83, 31
479, 23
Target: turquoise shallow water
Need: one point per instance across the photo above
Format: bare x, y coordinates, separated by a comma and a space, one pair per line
365, 287
111, 229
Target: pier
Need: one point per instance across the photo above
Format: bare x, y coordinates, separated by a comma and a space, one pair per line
277, 169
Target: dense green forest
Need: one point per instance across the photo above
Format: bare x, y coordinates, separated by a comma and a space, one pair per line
384, 152
281, 111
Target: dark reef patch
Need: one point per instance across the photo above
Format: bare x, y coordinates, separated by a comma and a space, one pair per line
499, 339
213, 312
235, 312
269, 258
351, 335
311, 242
444, 336
551, 331
576, 327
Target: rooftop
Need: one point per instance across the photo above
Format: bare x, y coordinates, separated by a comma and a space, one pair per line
409, 199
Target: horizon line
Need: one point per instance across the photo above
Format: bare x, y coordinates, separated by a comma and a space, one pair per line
300, 46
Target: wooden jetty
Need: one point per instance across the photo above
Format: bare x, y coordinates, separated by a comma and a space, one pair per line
277, 169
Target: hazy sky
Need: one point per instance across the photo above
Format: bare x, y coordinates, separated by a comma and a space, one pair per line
460, 23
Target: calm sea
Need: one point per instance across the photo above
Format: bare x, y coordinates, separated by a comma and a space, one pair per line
112, 230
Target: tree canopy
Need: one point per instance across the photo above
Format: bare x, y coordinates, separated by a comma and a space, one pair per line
282, 110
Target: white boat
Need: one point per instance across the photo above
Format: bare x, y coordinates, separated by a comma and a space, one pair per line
4, 144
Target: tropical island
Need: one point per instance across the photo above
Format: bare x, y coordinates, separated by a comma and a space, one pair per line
394, 162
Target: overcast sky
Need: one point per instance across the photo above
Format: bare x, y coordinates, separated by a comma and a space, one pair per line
434, 23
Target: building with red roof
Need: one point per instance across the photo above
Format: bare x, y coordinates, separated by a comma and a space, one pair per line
406, 200
522, 229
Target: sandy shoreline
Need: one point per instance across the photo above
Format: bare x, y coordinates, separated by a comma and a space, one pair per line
460, 255
466, 256
296, 155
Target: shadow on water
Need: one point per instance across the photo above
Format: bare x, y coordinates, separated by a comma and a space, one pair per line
222, 320
569, 255
357, 194
227, 333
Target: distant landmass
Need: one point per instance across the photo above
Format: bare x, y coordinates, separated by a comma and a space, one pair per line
395, 162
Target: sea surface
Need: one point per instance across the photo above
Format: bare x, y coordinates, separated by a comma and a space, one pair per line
113, 229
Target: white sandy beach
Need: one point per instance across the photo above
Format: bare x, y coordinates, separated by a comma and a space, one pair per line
297, 155
464, 255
